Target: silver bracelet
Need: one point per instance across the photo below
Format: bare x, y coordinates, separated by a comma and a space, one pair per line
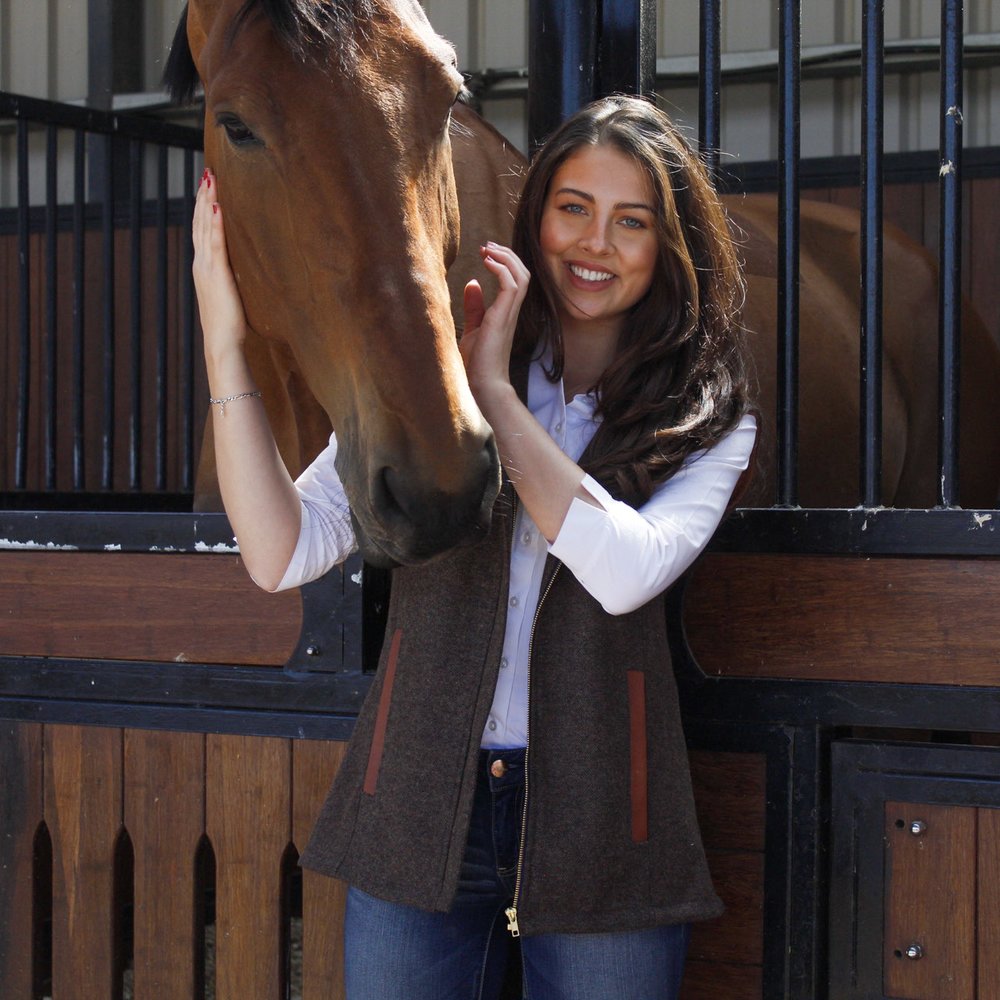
221, 403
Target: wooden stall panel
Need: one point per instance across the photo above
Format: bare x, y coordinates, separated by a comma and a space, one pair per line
20, 815
165, 816
83, 810
895, 620
314, 765
248, 818
988, 884
132, 606
930, 908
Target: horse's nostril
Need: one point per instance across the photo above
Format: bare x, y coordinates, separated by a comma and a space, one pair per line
393, 493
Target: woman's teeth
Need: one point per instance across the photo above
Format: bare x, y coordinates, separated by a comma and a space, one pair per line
587, 275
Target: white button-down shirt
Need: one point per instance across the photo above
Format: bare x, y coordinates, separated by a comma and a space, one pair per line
621, 555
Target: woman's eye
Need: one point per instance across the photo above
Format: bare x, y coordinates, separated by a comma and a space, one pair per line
573, 208
632, 223
237, 132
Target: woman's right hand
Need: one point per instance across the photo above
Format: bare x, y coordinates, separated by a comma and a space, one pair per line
223, 320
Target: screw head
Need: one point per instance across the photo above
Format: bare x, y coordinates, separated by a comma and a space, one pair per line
313, 650
914, 951
918, 828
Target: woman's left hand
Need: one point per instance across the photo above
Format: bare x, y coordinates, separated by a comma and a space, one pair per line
489, 333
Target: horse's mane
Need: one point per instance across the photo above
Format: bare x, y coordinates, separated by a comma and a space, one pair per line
302, 25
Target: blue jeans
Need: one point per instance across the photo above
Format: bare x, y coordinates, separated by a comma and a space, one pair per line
395, 952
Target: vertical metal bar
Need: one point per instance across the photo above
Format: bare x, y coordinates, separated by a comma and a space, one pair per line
162, 196
135, 316
108, 262
872, 77
950, 260
79, 275
710, 87
626, 54
788, 251
562, 61
51, 300
186, 379
24, 311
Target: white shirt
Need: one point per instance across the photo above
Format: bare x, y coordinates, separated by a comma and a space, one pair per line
622, 556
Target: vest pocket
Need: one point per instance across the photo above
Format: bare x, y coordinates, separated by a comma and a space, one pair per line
638, 770
382, 716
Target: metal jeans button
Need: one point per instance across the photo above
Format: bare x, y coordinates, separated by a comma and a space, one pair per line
498, 769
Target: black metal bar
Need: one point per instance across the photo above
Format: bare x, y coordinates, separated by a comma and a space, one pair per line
788, 251
188, 421
872, 90
23, 312
108, 313
51, 302
162, 199
79, 351
135, 314
562, 57
710, 84
90, 119
626, 62
950, 260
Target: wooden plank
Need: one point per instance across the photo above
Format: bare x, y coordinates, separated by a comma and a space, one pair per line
896, 620
134, 606
83, 810
988, 885
314, 765
20, 816
165, 816
730, 797
721, 981
930, 902
248, 818
738, 935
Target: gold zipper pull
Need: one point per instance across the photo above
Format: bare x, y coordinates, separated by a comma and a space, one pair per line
511, 912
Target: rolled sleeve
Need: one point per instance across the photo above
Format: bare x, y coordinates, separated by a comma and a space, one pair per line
625, 556
326, 534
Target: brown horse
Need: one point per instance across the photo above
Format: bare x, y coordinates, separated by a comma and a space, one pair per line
327, 125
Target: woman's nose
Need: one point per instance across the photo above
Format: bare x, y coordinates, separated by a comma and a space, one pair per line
595, 238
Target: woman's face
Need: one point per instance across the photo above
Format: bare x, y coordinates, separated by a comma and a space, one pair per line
598, 237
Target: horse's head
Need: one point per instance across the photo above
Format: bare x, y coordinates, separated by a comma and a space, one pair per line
326, 123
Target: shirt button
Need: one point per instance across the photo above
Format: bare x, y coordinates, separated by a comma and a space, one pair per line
504, 662
514, 602
559, 427
526, 538
492, 725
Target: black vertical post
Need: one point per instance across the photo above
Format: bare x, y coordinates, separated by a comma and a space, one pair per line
108, 307
950, 260
562, 61
872, 75
626, 54
23, 311
51, 302
79, 257
186, 378
135, 313
788, 251
710, 84
162, 198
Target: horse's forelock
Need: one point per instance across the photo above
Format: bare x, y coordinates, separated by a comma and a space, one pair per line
304, 25
180, 75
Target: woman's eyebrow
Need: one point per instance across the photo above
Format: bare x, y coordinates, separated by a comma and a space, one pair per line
589, 197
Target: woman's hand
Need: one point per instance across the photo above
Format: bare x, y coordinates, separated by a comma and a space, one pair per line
489, 333
219, 304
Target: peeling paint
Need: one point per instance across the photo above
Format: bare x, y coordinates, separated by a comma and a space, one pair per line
9, 543
981, 519
356, 577
112, 547
218, 547
946, 168
955, 112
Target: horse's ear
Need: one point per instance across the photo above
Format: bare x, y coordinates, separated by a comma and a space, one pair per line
180, 77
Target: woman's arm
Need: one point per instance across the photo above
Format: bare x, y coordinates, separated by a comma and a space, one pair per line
624, 557
258, 494
547, 480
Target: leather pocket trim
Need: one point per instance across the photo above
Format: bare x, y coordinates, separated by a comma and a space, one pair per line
638, 759
382, 716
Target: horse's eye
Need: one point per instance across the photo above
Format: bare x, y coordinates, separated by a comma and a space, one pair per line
237, 132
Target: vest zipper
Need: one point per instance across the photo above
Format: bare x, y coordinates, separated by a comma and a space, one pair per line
511, 910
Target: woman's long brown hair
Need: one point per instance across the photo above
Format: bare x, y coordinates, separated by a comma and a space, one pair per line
678, 382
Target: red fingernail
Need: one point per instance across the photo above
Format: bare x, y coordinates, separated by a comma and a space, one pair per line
215, 208
208, 180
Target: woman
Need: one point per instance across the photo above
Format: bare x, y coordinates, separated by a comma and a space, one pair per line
609, 367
